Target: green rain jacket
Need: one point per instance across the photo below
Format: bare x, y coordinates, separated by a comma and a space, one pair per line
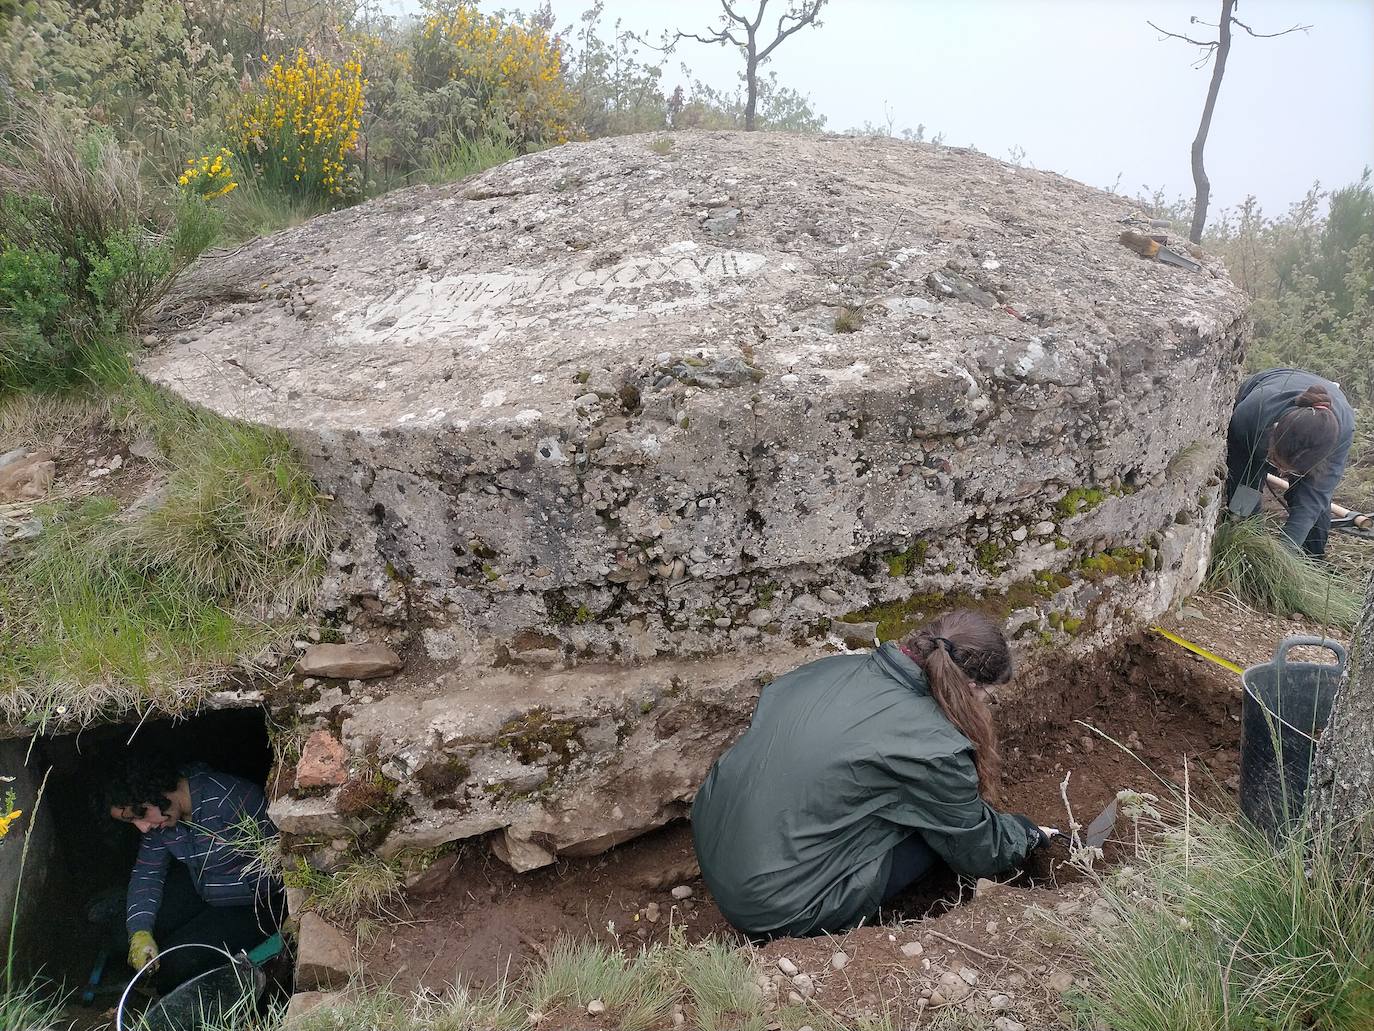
845, 757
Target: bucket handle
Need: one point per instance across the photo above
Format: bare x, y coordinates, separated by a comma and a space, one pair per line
123, 999
1281, 652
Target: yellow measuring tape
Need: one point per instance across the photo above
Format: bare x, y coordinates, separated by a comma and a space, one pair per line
1197, 649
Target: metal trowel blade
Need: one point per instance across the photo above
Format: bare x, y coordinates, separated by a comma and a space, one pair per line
1101, 829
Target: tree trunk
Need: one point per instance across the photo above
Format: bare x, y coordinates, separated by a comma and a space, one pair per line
1340, 793
751, 78
1204, 188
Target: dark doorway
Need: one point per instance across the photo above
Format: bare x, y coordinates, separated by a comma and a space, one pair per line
84, 866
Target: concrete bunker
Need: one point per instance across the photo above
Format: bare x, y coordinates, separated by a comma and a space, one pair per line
71, 901
614, 436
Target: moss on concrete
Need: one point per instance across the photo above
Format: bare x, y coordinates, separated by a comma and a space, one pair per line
536, 737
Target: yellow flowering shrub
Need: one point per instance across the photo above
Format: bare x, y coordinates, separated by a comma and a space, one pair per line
209, 177
512, 70
300, 125
8, 814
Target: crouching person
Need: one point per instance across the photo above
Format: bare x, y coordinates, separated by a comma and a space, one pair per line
195, 879
856, 774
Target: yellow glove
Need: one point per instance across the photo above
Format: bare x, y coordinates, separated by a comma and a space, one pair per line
142, 949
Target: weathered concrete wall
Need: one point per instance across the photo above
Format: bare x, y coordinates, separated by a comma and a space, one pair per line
42, 873
612, 432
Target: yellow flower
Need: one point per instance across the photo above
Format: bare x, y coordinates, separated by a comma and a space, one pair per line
7, 819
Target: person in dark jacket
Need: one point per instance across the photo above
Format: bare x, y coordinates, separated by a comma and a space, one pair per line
855, 775
1299, 427
214, 894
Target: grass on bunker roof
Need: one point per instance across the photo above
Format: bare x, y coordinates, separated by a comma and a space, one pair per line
126, 604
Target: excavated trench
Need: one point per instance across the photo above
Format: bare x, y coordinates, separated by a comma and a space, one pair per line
473, 920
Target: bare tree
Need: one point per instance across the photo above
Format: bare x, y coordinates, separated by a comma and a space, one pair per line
1340, 794
1218, 49
743, 32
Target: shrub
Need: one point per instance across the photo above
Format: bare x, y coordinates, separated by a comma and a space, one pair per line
85, 252
298, 129
509, 72
211, 177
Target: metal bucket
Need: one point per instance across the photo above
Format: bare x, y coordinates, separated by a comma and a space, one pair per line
1283, 714
221, 995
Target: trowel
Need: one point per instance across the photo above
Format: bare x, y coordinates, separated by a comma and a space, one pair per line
1097, 832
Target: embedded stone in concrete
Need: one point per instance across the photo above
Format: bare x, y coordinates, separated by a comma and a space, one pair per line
605, 456
348, 661
324, 956
323, 762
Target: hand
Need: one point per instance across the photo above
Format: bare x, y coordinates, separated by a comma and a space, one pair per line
1049, 833
142, 950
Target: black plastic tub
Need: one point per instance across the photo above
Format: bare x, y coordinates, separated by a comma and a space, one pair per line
1283, 714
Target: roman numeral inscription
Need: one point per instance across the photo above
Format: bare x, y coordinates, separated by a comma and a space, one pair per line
478, 300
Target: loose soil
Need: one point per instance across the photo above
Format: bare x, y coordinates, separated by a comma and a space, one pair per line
480, 922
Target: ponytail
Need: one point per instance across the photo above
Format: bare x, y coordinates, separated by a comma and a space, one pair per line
959, 647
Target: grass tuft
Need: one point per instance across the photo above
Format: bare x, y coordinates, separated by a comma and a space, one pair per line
1251, 561
1219, 931
364, 887
849, 320
637, 997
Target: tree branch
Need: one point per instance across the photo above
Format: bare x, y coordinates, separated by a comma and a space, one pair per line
1268, 35
1206, 44
807, 16
730, 13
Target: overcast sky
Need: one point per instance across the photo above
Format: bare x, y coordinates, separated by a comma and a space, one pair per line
1086, 87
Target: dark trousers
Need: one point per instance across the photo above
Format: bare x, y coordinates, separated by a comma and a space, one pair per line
912, 859
185, 918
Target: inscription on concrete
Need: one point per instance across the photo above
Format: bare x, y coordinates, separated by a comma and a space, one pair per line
608, 293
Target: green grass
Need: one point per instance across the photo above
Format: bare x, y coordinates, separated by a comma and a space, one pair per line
1221, 932
456, 157
364, 887
29, 1008
255, 210
636, 995
1250, 561
111, 610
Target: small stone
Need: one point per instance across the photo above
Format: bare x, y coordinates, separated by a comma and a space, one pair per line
679, 1018
682, 891
1007, 1024
587, 400
651, 912
1020, 534
348, 661
1044, 529
117, 462
912, 949
830, 596
1060, 981
999, 1002
805, 985
795, 999
985, 886
839, 961
596, 1007
323, 762
954, 988
788, 968
25, 476
760, 617
1016, 980
324, 956
968, 975
1102, 914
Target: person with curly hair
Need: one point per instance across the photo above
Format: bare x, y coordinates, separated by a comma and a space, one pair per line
215, 893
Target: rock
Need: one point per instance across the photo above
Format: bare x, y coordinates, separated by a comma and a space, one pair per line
1059, 981
323, 762
482, 514
795, 998
348, 661
985, 886
804, 984
25, 476
953, 988
760, 617
303, 1002
839, 961
968, 975
1102, 915
324, 957
788, 968
1007, 1024
999, 1002
520, 853
679, 1017
912, 949
435, 878
682, 891
596, 1007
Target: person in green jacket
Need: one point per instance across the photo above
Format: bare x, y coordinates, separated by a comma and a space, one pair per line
855, 775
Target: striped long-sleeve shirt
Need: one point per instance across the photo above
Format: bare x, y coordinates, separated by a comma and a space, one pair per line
209, 842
